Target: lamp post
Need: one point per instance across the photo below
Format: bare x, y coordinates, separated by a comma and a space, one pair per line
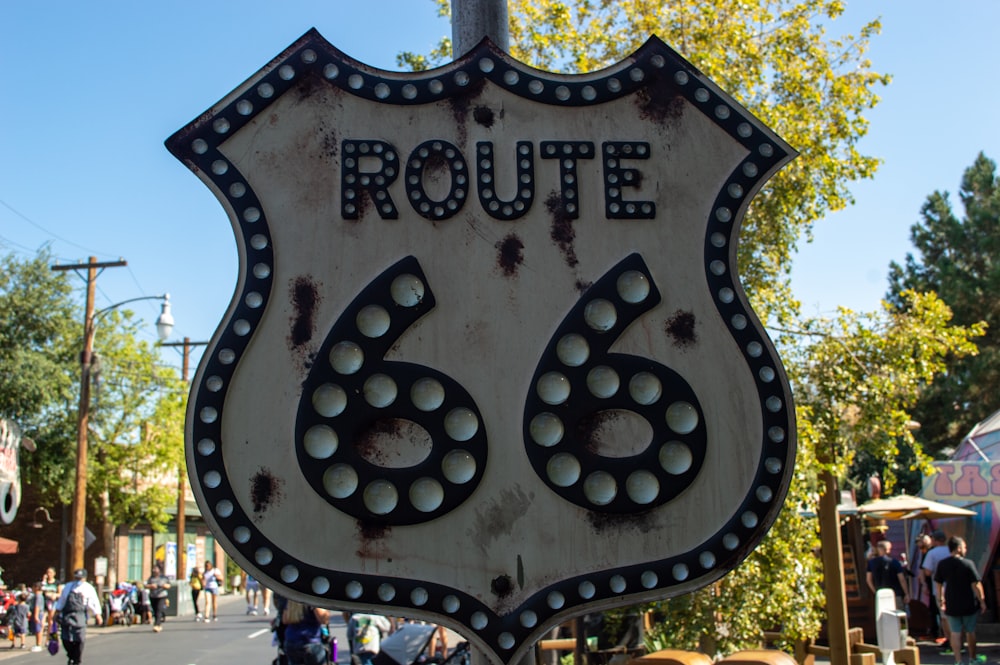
164, 325
181, 490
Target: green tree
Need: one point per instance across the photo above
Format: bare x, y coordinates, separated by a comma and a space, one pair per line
137, 407
39, 327
959, 259
855, 380
775, 57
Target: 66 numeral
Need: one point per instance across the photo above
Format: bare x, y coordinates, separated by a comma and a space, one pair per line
354, 400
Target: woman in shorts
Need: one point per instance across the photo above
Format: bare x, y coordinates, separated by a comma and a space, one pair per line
213, 585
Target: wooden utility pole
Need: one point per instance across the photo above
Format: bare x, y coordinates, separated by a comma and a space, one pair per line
79, 516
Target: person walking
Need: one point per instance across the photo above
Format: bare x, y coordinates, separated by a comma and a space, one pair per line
214, 579
885, 572
197, 582
266, 596
51, 589
37, 615
961, 598
158, 585
76, 600
303, 639
17, 619
142, 603
921, 617
252, 595
366, 632
937, 552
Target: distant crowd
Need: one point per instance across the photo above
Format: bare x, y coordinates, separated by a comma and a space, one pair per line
51, 616
940, 581
27, 613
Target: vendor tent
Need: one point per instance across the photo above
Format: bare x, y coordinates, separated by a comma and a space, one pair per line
906, 507
982, 444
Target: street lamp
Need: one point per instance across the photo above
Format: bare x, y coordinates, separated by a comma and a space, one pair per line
164, 325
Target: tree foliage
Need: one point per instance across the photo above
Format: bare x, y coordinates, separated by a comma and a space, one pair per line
855, 381
36, 330
39, 330
774, 56
959, 259
41, 334
858, 382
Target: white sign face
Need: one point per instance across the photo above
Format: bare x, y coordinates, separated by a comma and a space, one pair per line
10, 470
488, 362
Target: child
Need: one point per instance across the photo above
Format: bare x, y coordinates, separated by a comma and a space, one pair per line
37, 613
143, 607
18, 614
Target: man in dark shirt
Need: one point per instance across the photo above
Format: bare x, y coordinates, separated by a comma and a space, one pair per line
960, 597
884, 572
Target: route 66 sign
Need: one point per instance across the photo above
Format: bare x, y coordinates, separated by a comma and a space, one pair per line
488, 362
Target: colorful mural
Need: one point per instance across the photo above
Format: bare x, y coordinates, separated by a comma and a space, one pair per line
972, 485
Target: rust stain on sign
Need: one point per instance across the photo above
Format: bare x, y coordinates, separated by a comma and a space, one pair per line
484, 116
372, 538
265, 490
511, 254
590, 428
639, 522
502, 586
660, 104
680, 327
496, 518
561, 230
305, 298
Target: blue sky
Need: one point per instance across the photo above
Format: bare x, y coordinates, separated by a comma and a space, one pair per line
92, 90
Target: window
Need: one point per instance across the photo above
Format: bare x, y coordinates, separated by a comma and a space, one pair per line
135, 557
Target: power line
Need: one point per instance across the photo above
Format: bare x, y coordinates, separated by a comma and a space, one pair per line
45, 230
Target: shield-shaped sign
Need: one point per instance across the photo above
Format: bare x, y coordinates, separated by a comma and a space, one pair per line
489, 361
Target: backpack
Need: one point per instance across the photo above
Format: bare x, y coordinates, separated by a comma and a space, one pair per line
74, 612
365, 635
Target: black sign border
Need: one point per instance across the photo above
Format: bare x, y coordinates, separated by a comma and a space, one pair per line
197, 145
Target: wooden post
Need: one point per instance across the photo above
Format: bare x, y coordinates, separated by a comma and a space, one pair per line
833, 571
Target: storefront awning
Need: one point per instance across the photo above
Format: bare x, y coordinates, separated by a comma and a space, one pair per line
8, 546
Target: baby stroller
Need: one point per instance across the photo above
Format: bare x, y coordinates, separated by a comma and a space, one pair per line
121, 611
408, 646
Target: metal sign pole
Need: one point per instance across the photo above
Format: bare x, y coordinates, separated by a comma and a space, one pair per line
471, 20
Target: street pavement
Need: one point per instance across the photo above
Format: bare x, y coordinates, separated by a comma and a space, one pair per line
932, 653
235, 638
246, 640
